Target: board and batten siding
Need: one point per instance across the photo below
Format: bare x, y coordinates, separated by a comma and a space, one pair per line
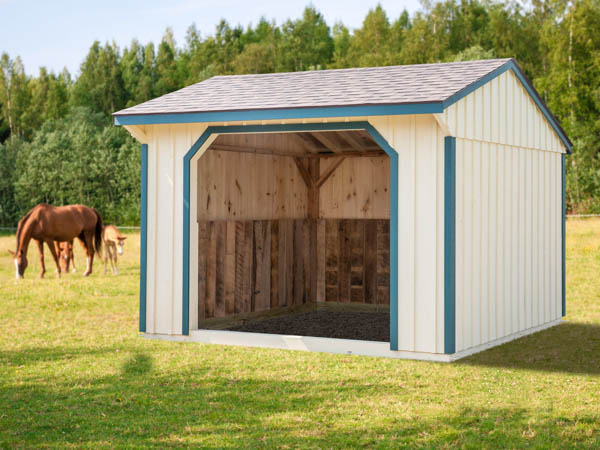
419, 142
508, 213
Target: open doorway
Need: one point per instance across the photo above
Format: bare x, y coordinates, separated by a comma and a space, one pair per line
294, 235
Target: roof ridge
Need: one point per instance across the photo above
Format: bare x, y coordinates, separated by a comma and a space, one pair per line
354, 69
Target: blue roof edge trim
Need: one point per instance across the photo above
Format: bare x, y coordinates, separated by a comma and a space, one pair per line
514, 66
280, 114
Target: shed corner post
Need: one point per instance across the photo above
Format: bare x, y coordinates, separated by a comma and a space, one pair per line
143, 235
563, 243
449, 244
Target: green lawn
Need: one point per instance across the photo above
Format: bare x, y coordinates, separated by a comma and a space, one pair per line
75, 373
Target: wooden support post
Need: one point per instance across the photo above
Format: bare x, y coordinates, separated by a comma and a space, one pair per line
312, 204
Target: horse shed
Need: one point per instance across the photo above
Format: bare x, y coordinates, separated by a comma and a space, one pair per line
424, 203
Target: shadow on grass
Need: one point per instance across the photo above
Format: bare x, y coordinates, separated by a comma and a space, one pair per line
189, 409
30, 355
137, 364
568, 347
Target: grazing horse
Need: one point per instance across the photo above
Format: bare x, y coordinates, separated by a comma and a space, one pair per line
66, 256
113, 243
46, 223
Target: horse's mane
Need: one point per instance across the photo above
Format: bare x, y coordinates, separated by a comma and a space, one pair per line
21, 224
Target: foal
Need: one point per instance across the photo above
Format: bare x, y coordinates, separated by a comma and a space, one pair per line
66, 256
113, 242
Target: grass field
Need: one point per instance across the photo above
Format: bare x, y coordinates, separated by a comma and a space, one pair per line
75, 373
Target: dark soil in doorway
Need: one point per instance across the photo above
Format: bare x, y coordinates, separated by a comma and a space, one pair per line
366, 326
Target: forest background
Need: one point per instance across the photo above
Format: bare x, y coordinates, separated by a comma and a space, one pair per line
58, 144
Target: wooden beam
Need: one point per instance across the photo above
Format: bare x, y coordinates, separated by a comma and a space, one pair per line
325, 175
304, 172
352, 141
372, 152
327, 142
304, 143
363, 154
257, 150
312, 204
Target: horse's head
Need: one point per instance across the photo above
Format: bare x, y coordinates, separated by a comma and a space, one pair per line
20, 261
66, 255
121, 242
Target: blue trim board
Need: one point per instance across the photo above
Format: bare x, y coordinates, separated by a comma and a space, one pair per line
143, 237
341, 126
277, 114
449, 244
564, 250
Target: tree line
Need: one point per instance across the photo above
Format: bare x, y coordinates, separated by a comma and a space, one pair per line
58, 144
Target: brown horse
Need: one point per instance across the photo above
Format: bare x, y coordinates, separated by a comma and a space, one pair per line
46, 223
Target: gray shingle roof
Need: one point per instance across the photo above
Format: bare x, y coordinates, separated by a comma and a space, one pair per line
421, 83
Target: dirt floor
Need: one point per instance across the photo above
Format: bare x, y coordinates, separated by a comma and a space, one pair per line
366, 326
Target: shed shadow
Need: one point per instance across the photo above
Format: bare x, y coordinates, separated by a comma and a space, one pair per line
137, 364
567, 348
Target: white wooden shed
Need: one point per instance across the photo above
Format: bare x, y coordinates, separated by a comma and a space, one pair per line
435, 191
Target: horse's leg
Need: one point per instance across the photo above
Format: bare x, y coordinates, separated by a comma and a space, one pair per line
54, 255
73, 257
113, 258
40, 246
116, 259
81, 239
89, 243
106, 255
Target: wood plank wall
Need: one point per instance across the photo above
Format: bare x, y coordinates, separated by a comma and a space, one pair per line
253, 266
247, 186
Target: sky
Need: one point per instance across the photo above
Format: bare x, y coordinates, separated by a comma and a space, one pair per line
59, 33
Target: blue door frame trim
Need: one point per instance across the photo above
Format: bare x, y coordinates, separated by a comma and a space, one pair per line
143, 236
564, 250
336, 126
449, 244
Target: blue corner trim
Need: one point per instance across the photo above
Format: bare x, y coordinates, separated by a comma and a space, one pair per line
564, 235
335, 126
143, 236
449, 244
276, 114
512, 65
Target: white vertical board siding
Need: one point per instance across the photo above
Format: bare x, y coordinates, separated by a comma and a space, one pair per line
167, 146
508, 246
419, 143
508, 213
503, 112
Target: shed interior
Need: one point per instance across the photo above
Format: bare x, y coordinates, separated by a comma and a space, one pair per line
293, 234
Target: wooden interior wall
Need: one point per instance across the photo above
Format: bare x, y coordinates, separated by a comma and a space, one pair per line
253, 266
237, 186
357, 189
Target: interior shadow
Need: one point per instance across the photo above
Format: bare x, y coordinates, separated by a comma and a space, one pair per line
568, 347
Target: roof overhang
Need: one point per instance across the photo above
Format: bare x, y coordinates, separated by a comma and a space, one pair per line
346, 111
280, 114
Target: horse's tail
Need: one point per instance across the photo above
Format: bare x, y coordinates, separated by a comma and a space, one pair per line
98, 232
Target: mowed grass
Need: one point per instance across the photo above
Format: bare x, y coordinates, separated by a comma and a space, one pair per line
75, 373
